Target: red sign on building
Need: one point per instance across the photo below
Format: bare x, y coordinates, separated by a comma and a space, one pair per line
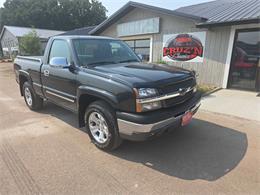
183, 47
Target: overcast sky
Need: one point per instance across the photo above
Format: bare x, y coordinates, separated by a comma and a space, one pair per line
114, 5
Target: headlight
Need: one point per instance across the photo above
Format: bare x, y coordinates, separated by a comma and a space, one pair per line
144, 93
143, 107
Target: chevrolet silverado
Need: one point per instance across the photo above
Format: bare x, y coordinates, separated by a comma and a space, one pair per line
115, 95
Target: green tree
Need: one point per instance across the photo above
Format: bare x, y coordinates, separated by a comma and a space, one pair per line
52, 14
30, 44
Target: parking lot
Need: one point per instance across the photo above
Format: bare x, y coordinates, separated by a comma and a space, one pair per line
45, 152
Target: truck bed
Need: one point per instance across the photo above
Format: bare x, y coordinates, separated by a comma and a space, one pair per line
31, 58
29, 65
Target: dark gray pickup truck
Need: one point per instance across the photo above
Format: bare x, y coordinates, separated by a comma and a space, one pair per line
115, 95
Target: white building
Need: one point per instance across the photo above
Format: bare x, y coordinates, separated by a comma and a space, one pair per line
10, 36
220, 39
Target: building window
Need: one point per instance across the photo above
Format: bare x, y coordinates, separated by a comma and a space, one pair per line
141, 46
245, 63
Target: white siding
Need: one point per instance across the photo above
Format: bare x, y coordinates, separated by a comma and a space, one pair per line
8, 40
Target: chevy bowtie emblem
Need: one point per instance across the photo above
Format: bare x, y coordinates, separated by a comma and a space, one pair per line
183, 91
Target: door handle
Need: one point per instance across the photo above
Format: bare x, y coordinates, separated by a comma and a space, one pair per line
46, 73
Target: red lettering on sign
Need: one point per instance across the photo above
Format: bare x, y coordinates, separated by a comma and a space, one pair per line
165, 51
198, 51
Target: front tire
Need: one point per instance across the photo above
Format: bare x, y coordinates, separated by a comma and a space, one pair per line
101, 126
32, 100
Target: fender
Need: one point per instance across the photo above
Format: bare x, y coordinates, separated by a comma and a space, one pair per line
99, 93
26, 75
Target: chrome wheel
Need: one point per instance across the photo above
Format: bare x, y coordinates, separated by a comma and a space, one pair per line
28, 96
98, 127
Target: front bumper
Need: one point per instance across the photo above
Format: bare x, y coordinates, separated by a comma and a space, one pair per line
142, 126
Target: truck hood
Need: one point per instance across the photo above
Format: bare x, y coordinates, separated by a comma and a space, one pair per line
141, 74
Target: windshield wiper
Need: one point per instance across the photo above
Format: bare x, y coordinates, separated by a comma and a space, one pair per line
131, 60
101, 63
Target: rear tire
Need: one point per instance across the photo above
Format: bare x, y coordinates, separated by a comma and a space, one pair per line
101, 126
32, 100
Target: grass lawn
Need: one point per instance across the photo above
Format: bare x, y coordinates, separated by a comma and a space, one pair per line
205, 88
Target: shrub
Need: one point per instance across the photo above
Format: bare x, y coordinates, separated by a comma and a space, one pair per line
30, 44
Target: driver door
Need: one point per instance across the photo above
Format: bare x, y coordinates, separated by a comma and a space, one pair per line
59, 84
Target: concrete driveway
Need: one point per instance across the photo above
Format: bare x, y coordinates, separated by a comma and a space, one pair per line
45, 153
243, 104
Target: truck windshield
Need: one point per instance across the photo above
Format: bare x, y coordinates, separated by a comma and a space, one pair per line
103, 51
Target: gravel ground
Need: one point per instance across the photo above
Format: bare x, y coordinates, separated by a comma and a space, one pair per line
46, 153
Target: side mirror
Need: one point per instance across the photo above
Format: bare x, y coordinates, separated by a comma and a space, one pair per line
140, 57
59, 62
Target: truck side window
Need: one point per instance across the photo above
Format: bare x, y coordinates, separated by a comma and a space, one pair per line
60, 48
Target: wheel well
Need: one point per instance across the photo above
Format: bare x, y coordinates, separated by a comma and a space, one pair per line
22, 80
84, 101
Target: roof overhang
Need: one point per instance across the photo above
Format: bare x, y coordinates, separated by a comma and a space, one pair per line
2, 32
228, 23
132, 5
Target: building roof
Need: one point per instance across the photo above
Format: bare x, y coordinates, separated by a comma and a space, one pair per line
225, 12
80, 31
21, 31
131, 5
219, 12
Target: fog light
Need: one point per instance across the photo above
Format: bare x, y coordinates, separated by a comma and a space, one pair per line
148, 106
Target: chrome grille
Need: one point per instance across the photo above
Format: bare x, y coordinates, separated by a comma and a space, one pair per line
178, 100
175, 87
